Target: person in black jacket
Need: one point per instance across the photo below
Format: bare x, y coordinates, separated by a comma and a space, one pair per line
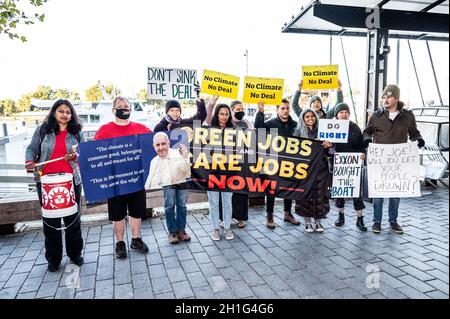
354, 145
286, 126
173, 119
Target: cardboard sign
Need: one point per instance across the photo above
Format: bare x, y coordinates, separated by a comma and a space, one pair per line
393, 170
223, 84
320, 77
171, 84
335, 131
346, 175
268, 90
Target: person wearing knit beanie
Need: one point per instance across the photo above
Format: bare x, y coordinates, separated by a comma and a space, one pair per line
341, 107
391, 90
390, 99
315, 103
314, 98
390, 124
172, 104
354, 144
173, 113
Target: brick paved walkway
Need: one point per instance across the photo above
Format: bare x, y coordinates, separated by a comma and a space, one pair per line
258, 263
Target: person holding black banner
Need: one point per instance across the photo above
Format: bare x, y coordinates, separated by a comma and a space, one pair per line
54, 142
240, 201
221, 118
285, 125
238, 116
319, 205
354, 145
315, 102
169, 170
176, 196
391, 124
135, 202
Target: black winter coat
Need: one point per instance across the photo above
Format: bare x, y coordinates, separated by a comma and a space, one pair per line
163, 125
354, 143
319, 205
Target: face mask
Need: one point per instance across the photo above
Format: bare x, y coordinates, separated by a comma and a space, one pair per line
239, 115
120, 113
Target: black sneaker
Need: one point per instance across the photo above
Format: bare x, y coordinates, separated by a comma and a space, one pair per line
376, 228
139, 245
53, 266
396, 228
121, 249
78, 261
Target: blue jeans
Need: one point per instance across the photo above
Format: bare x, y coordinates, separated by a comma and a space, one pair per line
213, 198
378, 209
175, 198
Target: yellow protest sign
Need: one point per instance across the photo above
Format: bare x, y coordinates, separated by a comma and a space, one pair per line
223, 84
320, 77
268, 90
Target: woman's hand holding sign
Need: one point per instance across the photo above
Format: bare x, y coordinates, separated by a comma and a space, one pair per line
327, 144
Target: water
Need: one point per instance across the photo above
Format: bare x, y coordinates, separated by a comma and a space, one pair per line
12, 151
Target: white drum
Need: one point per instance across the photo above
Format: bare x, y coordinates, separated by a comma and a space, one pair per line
58, 195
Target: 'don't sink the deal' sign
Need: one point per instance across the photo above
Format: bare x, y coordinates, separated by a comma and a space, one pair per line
171, 84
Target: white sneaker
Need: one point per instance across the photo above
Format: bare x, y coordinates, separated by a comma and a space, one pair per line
309, 228
221, 225
215, 235
319, 227
229, 234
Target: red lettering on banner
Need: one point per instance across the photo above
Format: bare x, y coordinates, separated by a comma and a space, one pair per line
213, 181
254, 185
239, 179
238, 183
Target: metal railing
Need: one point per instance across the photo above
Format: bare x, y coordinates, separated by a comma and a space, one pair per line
15, 184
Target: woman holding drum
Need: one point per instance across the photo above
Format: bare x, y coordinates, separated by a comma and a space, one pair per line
52, 155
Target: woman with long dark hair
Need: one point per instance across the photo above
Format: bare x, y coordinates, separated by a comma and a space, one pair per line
221, 119
55, 142
319, 205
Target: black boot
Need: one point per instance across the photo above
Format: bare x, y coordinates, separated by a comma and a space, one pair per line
340, 221
360, 223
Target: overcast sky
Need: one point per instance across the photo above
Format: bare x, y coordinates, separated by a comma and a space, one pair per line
83, 41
